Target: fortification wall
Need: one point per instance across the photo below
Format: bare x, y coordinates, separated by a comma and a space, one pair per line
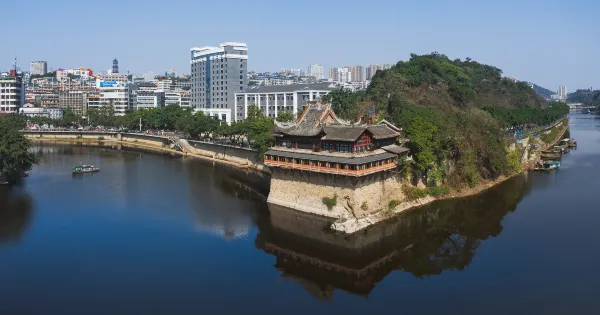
356, 197
242, 157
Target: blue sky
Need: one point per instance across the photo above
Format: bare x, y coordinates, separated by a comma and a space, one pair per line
546, 42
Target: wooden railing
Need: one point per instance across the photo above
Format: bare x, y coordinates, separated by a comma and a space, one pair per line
331, 170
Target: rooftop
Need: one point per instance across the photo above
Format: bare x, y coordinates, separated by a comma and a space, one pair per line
323, 86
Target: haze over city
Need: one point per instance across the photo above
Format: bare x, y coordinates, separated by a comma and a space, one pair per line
549, 43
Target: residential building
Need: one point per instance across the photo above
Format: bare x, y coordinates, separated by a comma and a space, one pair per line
562, 92
371, 70
112, 93
148, 99
30, 111
181, 84
75, 100
316, 71
217, 74
38, 68
358, 73
334, 74
344, 75
356, 85
163, 84
273, 100
12, 92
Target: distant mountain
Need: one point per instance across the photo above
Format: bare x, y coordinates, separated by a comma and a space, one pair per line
543, 92
587, 97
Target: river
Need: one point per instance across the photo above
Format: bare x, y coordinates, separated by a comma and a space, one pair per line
156, 234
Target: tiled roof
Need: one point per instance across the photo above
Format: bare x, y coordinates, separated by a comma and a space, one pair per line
382, 132
343, 133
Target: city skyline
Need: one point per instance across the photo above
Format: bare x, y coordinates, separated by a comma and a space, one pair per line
527, 43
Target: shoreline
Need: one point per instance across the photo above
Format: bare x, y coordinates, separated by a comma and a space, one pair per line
144, 146
353, 225
346, 225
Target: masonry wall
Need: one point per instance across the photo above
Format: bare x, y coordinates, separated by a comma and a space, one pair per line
356, 197
235, 155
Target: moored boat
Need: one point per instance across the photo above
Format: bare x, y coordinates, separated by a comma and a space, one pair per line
81, 169
547, 165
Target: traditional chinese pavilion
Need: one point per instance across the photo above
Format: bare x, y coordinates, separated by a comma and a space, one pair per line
321, 157
318, 141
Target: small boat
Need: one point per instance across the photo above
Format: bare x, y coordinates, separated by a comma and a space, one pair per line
571, 143
551, 155
547, 165
81, 169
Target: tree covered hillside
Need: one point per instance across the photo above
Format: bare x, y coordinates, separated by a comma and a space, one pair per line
587, 97
543, 92
457, 115
436, 81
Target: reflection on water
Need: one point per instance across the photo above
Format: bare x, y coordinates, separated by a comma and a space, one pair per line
442, 236
15, 214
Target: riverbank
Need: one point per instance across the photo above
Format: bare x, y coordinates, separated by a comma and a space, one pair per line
152, 146
352, 225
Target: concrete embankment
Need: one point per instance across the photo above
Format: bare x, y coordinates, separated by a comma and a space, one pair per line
234, 156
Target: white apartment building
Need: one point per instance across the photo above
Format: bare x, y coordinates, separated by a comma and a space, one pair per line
316, 71
273, 100
148, 99
113, 93
38, 68
562, 92
12, 93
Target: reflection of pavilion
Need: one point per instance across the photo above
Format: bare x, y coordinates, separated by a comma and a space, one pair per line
424, 242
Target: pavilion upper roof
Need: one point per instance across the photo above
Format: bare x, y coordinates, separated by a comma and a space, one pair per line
320, 120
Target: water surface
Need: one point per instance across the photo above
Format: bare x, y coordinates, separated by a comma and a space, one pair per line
154, 234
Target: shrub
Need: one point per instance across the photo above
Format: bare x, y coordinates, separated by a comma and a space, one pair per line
100, 138
364, 206
330, 202
393, 204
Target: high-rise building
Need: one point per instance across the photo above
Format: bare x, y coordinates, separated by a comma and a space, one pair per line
217, 74
38, 68
334, 74
115, 67
12, 92
316, 71
75, 100
112, 93
562, 92
371, 70
344, 74
358, 73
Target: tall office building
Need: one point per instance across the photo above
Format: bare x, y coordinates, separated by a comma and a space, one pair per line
217, 74
38, 68
334, 74
316, 71
562, 92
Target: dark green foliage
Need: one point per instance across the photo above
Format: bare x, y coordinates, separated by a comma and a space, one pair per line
435, 81
15, 158
330, 202
528, 115
285, 117
587, 97
543, 92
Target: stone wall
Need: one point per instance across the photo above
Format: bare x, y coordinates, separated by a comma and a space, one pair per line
242, 157
356, 197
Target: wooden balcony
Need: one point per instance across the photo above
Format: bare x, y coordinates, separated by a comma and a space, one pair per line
361, 170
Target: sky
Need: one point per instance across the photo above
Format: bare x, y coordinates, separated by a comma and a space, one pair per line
545, 42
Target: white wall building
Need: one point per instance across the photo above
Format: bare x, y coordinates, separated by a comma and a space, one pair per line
562, 92
316, 71
273, 100
148, 99
38, 68
52, 113
12, 93
113, 93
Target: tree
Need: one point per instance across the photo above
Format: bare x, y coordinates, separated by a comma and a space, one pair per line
285, 117
15, 158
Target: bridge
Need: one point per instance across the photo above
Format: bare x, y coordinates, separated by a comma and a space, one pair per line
580, 106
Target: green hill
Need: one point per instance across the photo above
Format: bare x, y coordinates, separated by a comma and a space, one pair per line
436, 81
543, 92
587, 97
